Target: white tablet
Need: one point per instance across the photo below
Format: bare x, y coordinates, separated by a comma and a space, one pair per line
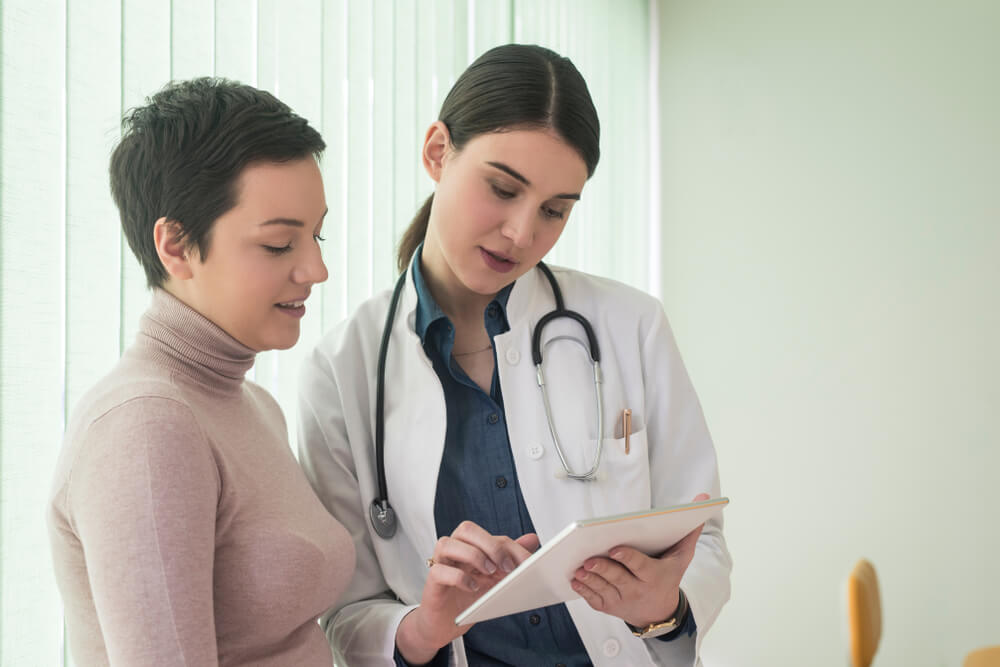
544, 578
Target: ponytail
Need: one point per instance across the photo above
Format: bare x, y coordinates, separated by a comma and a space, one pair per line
414, 234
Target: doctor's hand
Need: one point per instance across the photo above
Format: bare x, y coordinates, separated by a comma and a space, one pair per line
464, 566
637, 588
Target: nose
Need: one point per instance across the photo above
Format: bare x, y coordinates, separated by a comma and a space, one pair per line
311, 269
520, 228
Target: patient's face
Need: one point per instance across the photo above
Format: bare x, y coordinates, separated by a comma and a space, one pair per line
263, 256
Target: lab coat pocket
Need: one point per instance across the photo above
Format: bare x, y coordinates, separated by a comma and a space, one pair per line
622, 483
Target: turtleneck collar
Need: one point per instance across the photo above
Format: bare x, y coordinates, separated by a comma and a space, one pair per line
187, 341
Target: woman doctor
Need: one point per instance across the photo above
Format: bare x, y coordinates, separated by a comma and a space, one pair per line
473, 473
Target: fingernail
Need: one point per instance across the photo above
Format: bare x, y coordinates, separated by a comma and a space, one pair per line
590, 566
473, 584
490, 567
508, 565
615, 554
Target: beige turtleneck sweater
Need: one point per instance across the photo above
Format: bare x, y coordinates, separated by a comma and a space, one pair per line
183, 531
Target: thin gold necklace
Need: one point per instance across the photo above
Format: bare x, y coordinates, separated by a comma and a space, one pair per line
466, 354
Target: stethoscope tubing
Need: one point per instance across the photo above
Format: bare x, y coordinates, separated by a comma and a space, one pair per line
383, 517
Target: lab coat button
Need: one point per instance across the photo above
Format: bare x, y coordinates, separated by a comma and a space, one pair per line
612, 648
513, 356
536, 451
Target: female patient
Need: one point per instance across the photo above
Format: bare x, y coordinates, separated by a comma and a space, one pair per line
183, 531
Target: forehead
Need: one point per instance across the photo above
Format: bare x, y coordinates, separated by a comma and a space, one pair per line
293, 177
283, 189
275, 191
541, 155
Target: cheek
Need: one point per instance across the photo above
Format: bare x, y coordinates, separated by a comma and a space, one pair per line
472, 204
257, 280
550, 233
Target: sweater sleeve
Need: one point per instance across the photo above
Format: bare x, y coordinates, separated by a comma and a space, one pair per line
142, 497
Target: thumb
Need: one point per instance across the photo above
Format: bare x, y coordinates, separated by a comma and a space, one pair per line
529, 541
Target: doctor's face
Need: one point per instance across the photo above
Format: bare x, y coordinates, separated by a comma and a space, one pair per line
263, 256
499, 206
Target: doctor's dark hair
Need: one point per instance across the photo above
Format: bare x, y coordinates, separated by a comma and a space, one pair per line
182, 153
514, 86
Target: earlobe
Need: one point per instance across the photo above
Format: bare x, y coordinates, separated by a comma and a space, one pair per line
437, 143
171, 249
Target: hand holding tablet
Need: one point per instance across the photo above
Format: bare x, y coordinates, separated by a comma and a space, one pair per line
545, 577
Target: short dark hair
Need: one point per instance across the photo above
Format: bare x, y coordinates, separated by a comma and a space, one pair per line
515, 86
181, 154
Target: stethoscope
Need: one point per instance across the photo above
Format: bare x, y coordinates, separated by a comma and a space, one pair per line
383, 517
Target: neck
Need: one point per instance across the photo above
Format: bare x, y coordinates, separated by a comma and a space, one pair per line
462, 306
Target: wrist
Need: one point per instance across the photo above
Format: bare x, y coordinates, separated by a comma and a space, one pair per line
663, 626
669, 610
412, 641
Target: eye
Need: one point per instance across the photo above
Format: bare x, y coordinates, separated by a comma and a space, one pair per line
278, 250
500, 192
553, 213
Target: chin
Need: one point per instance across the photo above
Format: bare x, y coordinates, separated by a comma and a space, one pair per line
487, 285
276, 340
284, 344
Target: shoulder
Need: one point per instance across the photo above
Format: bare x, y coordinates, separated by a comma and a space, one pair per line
137, 403
132, 388
605, 296
132, 439
129, 425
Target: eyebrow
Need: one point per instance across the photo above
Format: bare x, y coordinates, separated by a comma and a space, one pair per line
516, 175
290, 222
283, 221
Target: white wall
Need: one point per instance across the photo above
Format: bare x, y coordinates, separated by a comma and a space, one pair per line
831, 265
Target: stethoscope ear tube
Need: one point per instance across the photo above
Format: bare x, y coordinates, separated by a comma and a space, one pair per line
536, 337
595, 357
383, 517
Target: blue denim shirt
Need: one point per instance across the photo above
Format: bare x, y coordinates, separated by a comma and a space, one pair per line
477, 481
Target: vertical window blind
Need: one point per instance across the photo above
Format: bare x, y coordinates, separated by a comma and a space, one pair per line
369, 74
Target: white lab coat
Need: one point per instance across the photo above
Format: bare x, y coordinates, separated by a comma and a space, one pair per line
671, 455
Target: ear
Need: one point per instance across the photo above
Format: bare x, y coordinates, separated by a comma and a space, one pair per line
171, 250
437, 144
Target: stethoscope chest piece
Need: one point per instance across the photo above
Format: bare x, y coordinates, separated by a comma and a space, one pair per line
383, 518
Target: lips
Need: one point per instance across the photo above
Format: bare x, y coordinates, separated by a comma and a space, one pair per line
497, 261
501, 256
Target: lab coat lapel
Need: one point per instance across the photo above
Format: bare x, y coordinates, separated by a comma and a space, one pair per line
549, 500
